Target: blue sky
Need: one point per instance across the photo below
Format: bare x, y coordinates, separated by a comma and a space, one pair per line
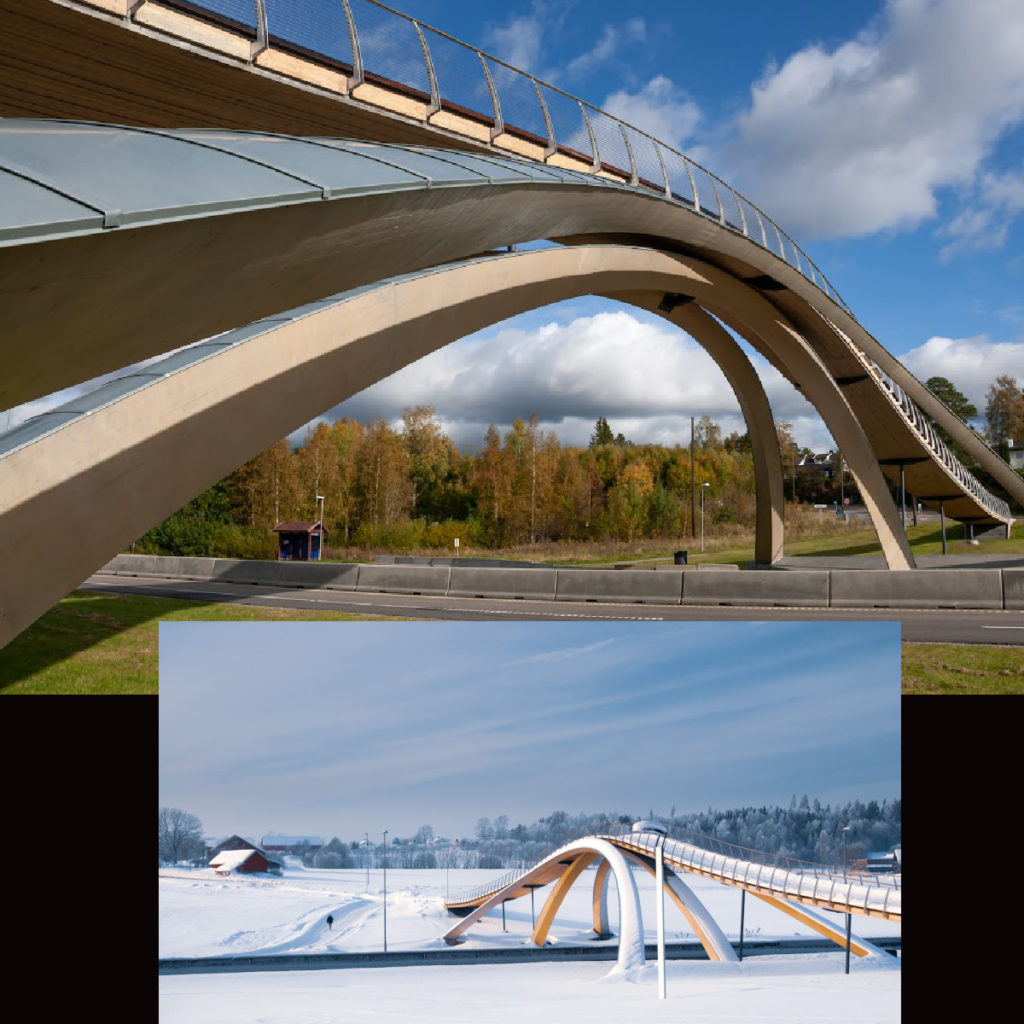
344, 728
886, 136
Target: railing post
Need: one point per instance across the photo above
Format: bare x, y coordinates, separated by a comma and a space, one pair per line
693, 184
634, 178
499, 125
357, 57
435, 93
552, 146
664, 169
595, 153
262, 35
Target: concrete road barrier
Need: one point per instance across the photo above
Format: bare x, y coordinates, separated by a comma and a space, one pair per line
160, 565
642, 587
796, 589
325, 575
1013, 588
404, 579
924, 588
534, 584
238, 570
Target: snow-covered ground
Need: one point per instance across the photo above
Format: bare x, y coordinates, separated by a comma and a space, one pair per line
202, 914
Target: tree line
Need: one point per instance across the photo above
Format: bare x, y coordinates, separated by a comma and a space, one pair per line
412, 488
805, 830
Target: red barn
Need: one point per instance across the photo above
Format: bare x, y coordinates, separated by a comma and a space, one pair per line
242, 861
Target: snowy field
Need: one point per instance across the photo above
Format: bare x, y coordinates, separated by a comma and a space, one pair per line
202, 914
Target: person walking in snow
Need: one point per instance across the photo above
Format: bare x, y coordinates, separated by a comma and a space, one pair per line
330, 921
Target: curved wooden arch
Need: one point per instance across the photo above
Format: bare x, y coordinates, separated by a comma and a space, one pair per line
100, 482
564, 867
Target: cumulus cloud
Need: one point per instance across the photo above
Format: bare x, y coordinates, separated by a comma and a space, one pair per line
660, 108
971, 364
646, 378
861, 138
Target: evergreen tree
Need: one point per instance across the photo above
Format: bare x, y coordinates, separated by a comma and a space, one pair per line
602, 433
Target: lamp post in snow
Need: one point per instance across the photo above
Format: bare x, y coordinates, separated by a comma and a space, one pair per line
385, 890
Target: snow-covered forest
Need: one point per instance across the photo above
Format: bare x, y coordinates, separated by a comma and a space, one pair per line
805, 830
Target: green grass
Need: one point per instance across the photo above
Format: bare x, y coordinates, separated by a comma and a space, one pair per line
951, 668
102, 643
924, 540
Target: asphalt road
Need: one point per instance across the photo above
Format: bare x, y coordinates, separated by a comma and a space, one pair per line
918, 625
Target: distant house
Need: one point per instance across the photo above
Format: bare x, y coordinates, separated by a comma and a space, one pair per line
243, 862
231, 843
291, 844
1015, 454
883, 861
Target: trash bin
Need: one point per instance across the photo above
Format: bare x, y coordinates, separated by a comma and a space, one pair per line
680, 557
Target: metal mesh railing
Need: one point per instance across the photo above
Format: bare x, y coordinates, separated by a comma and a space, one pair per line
938, 448
377, 44
787, 877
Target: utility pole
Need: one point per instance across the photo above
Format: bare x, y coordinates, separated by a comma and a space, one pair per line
693, 487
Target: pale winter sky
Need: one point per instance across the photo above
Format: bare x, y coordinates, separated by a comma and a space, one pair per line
886, 137
353, 727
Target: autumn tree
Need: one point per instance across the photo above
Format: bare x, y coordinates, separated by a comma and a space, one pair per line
431, 455
628, 500
492, 482
385, 490
1004, 413
347, 436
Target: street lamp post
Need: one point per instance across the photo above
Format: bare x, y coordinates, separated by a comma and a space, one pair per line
385, 890
367, 834
846, 828
320, 551
702, 486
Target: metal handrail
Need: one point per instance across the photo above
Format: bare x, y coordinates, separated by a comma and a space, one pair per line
786, 877
939, 449
711, 206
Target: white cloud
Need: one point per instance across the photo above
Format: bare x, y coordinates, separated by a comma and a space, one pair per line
988, 212
660, 108
971, 364
609, 45
519, 41
861, 138
646, 378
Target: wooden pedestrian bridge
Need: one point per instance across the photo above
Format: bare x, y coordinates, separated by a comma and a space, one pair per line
278, 204
795, 888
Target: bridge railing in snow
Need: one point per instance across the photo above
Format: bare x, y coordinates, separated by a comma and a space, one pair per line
784, 876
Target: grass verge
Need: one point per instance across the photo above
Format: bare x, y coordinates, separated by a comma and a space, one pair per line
952, 668
103, 643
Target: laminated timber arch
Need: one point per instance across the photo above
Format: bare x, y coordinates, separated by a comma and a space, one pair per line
93, 476
792, 892
563, 867
109, 257
286, 371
